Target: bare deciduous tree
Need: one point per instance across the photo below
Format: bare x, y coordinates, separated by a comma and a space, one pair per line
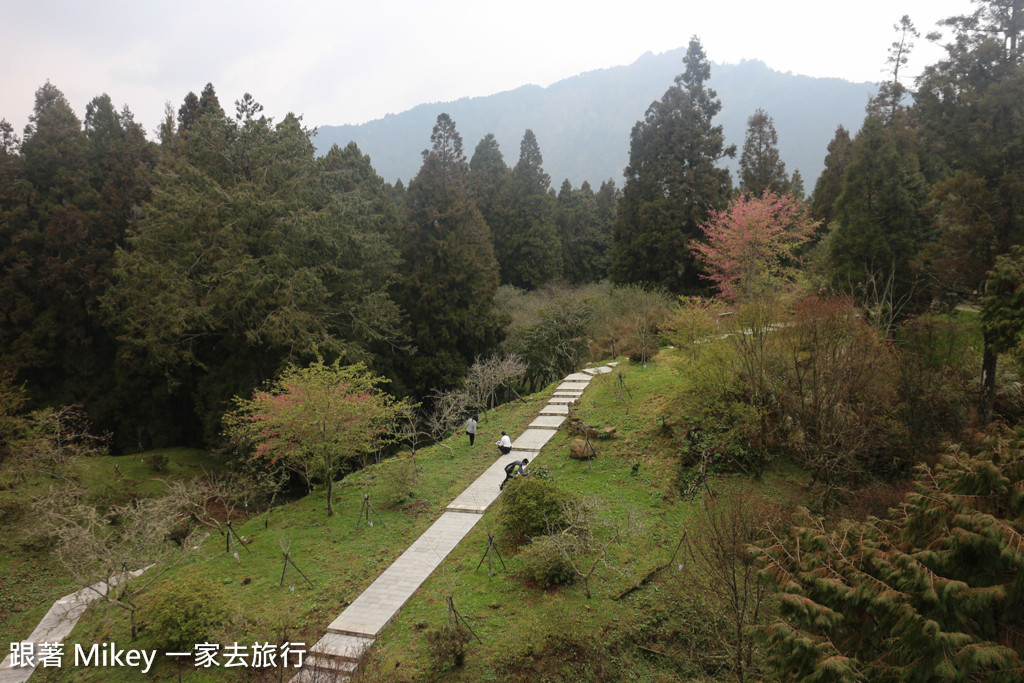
101, 548
723, 567
586, 536
486, 377
833, 391
51, 438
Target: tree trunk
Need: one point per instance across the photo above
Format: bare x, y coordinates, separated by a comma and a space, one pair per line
330, 494
988, 382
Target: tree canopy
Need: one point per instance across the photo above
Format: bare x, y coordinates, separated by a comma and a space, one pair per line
672, 182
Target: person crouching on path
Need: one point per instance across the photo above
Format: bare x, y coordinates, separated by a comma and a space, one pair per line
510, 470
471, 428
504, 444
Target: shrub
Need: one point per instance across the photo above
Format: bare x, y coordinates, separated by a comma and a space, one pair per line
448, 646
532, 506
544, 565
158, 462
396, 480
185, 611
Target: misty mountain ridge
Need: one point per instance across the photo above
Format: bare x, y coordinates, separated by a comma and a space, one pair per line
583, 123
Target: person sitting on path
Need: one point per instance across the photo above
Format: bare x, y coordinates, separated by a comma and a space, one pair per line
471, 428
504, 444
512, 468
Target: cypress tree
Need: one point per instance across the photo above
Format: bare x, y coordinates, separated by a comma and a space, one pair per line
830, 182
931, 593
531, 256
490, 182
672, 182
761, 168
881, 223
450, 273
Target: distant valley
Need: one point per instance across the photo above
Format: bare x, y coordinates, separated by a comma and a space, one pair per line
583, 123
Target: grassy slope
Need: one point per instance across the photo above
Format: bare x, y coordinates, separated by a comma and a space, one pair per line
340, 557
30, 581
528, 634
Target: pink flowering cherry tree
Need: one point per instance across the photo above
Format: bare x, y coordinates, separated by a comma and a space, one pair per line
750, 245
314, 417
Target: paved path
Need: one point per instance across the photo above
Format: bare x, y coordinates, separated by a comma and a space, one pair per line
56, 625
353, 632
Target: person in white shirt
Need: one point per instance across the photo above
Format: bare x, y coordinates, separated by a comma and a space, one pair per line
504, 444
471, 428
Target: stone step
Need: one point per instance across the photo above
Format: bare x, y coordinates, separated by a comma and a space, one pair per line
548, 421
578, 377
571, 386
573, 393
318, 669
316, 674
556, 409
341, 646
564, 400
533, 439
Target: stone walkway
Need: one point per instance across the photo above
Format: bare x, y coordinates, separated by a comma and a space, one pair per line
57, 624
354, 631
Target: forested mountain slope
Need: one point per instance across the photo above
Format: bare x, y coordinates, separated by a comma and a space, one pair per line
582, 123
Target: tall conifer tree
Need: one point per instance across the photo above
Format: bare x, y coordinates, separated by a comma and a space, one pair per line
970, 106
450, 274
532, 256
73, 194
672, 182
490, 182
760, 166
881, 222
830, 183
248, 256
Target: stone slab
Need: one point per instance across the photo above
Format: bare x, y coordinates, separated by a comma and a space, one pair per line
374, 608
564, 400
571, 386
591, 371
58, 622
342, 646
569, 392
533, 439
578, 377
605, 369
554, 409
548, 421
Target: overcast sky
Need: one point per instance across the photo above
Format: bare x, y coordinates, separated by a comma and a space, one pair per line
351, 61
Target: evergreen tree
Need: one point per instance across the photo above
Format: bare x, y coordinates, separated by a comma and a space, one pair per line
71, 197
881, 222
969, 106
672, 182
830, 182
761, 169
450, 273
532, 256
585, 235
931, 593
188, 113
246, 257
796, 185
490, 182
892, 92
